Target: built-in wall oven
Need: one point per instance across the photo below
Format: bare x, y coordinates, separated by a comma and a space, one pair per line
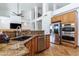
68, 32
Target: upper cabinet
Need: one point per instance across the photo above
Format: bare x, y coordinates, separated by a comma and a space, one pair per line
65, 18
72, 17
56, 18
69, 17
53, 19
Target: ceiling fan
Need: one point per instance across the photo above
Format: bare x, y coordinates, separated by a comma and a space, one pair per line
18, 13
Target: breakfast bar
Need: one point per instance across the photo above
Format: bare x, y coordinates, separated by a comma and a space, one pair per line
14, 48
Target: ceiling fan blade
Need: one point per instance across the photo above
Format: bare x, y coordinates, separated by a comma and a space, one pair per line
14, 13
18, 13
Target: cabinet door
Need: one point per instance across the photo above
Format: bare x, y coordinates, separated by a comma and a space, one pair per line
72, 17
28, 45
56, 19
53, 19
45, 42
69, 17
65, 18
35, 44
40, 43
48, 41
33, 47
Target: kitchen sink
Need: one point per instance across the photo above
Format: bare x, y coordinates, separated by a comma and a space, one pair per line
22, 38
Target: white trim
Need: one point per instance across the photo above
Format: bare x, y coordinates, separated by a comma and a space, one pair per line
66, 8
40, 18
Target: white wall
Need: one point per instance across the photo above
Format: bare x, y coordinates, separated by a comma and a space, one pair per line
66, 8
4, 23
15, 19
46, 21
12, 7
78, 24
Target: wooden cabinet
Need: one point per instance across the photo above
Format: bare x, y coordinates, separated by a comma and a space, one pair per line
47, 41
34, 45
64, 18
10, 33
56, 18
69, 17
38, 44
28, 45
37, 32
72, 17
53, 19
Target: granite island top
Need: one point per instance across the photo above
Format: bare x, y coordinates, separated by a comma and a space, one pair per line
14, 48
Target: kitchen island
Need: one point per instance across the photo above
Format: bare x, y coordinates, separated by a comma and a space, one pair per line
26, 47
14, 48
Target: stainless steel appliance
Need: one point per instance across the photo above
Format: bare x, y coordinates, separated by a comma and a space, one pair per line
68, 31
55, 28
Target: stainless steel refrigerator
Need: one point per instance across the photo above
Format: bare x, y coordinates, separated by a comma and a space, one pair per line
55, 28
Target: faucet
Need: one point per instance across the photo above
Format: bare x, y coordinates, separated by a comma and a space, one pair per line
19, 30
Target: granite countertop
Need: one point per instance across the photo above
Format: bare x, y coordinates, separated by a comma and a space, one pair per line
14, 48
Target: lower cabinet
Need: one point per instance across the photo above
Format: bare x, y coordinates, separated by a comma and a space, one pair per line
47, 41
34, 45
38, 44
28, 45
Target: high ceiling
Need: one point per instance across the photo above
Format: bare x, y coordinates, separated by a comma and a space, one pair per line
3, 9
58, 5
3, 6
26, 6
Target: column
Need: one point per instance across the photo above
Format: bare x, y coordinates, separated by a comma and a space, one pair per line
36, 12
44, 8
35, 25
54, 7
78, 24
36, 16
30, 18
